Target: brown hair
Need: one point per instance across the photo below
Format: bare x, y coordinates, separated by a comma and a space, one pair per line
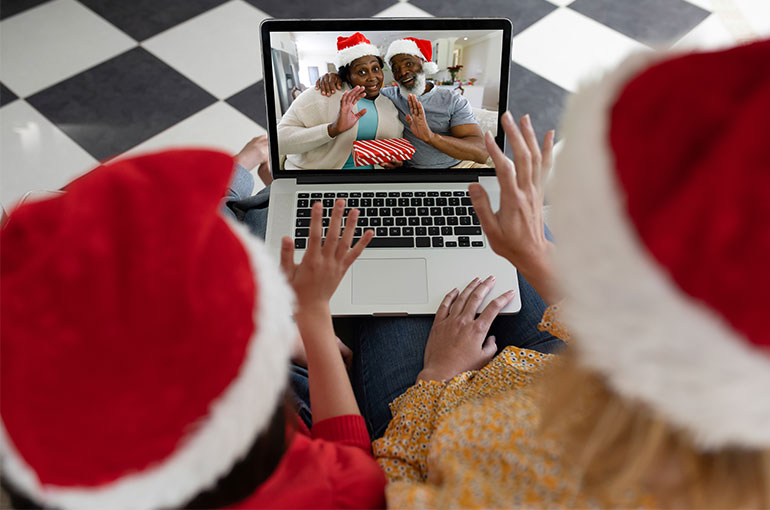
620, 444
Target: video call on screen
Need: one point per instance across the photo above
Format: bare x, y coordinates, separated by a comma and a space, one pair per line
468, 63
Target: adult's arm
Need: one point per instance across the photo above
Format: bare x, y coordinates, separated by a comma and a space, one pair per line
303, 127
466, 141
515, 231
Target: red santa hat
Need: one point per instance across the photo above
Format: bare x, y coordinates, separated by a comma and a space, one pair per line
353, 47
421, 48
662, 218
145, 338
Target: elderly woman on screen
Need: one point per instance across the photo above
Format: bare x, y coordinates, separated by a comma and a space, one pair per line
317, 132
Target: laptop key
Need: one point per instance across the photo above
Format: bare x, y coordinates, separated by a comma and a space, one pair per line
461, 211
454, 201
363, 221
400, 221
434, 231
423, 242
465, 220
369, 194
355, 194
410, 211
403, 202
394, 231
446, 193
465, 201
467, 231
421, 231
390, 202
353, 202
459, 193
342, 195
325, 222
448, 211
303, 203
371, 211
303, 195
419, 193
300, 243
433, 193
446, 231
477, 244
375, 222
438, 242
316, 195
441, 202
464, 241
394, 194
439, 220
384, 211
391, 242
422, 211
452, 220
426, 221
407, 231
414, 221
429, 202
415, 202
303, 222
328, 195
388, 222
379, 202
328, 202
451, 244
381, 232
406, 194
302, 232
366, 202
303, 213
381, 194
435, 211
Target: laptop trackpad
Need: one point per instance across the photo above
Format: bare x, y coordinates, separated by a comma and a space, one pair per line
389, 281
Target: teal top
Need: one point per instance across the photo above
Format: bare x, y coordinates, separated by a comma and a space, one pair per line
367, 129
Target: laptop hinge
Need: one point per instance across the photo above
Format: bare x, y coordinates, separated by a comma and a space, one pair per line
350, 179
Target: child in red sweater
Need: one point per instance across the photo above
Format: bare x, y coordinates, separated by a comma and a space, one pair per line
145, 343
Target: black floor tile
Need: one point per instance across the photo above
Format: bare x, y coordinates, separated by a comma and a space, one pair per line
314, 9
6, 96
522, 13
118, 104
251, 102
10, 7
542, 100
647, 21
142, 19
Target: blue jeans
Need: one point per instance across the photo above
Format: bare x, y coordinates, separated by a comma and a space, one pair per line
388, 351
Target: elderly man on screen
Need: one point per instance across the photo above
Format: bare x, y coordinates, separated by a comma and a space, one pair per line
439, 123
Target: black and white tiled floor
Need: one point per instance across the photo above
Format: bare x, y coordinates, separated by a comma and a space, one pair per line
82, 81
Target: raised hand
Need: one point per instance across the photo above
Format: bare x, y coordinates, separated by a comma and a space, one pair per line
458, 339
324, 264
516, 230
328, 84
418, 124
347, 118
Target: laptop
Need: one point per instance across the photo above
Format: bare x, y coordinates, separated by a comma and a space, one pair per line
428, 239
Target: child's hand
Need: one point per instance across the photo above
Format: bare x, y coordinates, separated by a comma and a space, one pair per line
316, 278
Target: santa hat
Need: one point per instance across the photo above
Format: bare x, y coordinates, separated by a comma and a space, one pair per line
353, 47
145, 339
421, 48
662, 219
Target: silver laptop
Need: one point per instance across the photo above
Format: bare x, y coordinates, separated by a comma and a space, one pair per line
428, 239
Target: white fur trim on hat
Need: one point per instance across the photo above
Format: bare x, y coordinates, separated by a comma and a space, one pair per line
632, 323
348, 55
407, 47
221, 439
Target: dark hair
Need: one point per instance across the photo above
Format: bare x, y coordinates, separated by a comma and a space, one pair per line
259, 463
344, 71
245, 476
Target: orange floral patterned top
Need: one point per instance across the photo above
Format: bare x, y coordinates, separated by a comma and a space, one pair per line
475, 441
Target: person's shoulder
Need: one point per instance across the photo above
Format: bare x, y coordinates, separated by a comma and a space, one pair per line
389, 92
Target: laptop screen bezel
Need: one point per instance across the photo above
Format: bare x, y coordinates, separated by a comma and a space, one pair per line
351, 25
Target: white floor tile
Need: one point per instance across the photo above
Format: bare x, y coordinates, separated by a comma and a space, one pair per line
54, 41
703, 4
220, 126
403, 10
710, 34
566, 47
35, 154
219, 50
757, 14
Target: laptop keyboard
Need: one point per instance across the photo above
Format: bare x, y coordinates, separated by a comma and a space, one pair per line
400, 219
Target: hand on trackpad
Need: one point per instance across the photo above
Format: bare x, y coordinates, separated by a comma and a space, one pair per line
389, 281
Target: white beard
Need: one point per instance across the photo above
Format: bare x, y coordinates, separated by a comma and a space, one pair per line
417, 88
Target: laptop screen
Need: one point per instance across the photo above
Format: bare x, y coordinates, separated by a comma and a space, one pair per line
409, 95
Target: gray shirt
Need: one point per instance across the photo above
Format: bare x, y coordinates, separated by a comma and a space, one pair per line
443, 110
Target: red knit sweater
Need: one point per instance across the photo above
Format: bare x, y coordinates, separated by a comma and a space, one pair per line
329, 467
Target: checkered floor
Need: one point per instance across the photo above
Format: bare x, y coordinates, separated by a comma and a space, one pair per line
85, 80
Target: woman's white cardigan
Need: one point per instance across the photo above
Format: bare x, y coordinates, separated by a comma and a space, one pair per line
303, 131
